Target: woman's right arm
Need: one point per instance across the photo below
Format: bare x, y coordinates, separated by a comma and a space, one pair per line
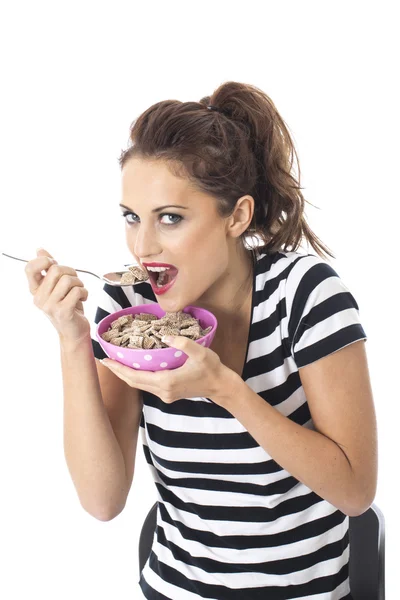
101, 424
101, 412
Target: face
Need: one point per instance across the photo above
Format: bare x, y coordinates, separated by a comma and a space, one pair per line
169, 222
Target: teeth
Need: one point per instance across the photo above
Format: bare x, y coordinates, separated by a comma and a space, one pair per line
162, 277
157, 269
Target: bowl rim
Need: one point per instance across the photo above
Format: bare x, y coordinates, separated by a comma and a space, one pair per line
214, 326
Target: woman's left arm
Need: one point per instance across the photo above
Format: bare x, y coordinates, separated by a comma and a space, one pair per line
339, 460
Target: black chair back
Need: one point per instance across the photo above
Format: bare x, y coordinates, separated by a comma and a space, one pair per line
367, 555
146, 536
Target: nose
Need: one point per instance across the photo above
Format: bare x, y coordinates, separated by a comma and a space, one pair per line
145, 242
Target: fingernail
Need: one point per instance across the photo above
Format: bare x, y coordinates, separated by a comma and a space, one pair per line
167, 339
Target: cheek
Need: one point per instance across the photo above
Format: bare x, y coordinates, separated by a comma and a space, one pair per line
210, 244
204, 258
130, 242
206, 236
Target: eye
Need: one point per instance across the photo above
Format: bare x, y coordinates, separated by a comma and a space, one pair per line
133, 218
173, 216
129, 214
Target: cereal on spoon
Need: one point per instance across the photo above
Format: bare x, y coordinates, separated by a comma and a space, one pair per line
134, 275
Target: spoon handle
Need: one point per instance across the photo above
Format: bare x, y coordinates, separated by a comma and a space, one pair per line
80, 270
90, 273
14, 257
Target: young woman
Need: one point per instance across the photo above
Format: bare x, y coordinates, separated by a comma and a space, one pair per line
263, 445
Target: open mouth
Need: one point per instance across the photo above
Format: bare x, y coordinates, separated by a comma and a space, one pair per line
163, 278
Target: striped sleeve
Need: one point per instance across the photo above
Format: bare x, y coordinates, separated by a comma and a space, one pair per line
323, 316
111, 300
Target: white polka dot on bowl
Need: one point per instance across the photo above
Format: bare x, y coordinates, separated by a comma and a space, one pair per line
136, 365
148, 357
163, 365
120, 355
178, 353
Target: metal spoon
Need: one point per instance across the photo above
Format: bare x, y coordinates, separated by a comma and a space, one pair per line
113, 278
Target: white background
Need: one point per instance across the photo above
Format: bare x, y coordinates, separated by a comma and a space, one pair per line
74, 76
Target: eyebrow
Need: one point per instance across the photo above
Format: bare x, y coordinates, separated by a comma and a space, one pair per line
156, 210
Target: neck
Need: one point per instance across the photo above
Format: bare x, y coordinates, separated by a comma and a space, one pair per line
231, 300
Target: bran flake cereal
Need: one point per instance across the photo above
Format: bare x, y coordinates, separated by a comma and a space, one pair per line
134, 275
145, 330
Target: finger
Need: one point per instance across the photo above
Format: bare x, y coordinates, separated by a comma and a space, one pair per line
71, 299
148, 381
33, 271
65, 284
65, 311
135, 375
127, 380
188, 346
118, 374
53, 277
74, 298
43, 252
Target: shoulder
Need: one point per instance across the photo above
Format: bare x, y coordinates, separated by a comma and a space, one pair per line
300, 264
287, 269
309, 277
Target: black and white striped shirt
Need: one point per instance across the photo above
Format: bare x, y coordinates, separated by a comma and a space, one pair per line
231, 523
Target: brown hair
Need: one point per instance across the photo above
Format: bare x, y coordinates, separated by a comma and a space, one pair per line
244, 149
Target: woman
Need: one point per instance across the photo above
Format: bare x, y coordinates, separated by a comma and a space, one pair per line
263, 445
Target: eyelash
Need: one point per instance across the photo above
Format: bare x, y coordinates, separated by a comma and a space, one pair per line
124, 214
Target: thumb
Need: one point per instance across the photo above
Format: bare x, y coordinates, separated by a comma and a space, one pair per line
181, 342
43, 252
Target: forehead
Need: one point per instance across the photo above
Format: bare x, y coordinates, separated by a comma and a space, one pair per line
150, 183
148, 180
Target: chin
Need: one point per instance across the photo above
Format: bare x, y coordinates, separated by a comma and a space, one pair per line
175, 304
172, 304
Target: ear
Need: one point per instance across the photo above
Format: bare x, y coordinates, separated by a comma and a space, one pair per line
241, 217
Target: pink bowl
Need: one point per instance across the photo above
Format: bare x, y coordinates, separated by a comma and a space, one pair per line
162, 358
